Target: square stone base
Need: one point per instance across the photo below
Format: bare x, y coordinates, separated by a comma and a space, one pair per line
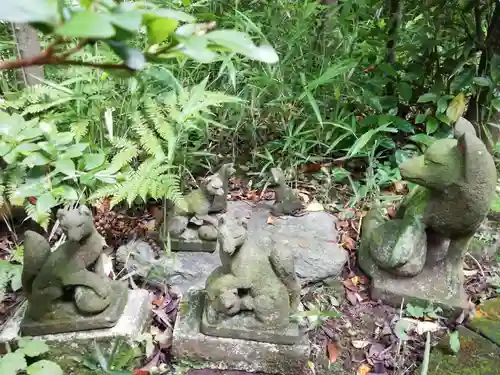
69, 349
437, 284
190, 344
193, 245
65, 317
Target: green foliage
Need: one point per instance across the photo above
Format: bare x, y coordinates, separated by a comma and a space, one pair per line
45, 167
455, 341
421, 312
29, 351
10, 277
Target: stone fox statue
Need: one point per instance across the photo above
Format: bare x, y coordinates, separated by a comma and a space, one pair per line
252, 279
457, 180
47, 275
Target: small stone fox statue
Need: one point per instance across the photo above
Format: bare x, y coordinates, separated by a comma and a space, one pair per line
457, 181
286, 202
252, 279
47, 276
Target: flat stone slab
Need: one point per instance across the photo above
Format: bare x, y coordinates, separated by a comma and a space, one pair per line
65, 317
67, 349
190, 344
193, 245
488, 325
477, 356
313, 238
431, 286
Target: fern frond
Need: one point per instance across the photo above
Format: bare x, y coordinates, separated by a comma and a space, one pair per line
80, 129
41, 107
147, 138
163, 127
42, 218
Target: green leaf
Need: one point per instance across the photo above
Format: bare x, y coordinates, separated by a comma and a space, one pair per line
462, 80
66, 166
62, 138
87, 24
33, 347
160, 29
241, 43
431, 126
405, 91
67, 193
132, 57
128, 20
45, 202
400, 329
26, 148
495, 68
74, 151
496, 104
422, 138
482, 81
16, 277
44, 367
25, 11
442, 104
12, 362
36, 158
456, 107
455, 341
169, 13
415, 311
93, 161
420, 118
426, 98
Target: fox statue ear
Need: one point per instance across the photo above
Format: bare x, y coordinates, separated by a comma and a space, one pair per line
84, 210
463, 126
472, 150
60, 214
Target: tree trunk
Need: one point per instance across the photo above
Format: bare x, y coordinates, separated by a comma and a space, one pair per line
28, 45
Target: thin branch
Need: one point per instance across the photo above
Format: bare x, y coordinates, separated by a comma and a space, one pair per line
44, 60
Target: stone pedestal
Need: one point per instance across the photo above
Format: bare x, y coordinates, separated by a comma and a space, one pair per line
190, 344
69, 349
438, 284
191, 242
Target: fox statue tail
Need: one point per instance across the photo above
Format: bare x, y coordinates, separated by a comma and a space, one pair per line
283, 263
36, 252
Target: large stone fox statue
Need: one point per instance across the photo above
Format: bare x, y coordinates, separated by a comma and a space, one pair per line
434, 223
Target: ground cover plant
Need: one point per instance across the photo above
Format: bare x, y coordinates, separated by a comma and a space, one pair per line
141, 98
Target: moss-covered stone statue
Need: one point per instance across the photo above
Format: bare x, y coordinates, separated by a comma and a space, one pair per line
287, 202
428, 236
254, 293
194, 227
63, 291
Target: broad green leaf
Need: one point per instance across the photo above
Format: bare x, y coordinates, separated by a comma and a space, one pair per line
16, 277
403, 125
422, 138
74, 151
66, 166
400, 329
456, 108
12, 362
160, 29
415, 311
462, 80
420, 118
132, 57
129, 20
455, 341
87, 24
241, 43
62, 138
431, 126
496, 104
45, 202
428, 98
5, 148
168, 13
442, 104
482, 81
495, 68
33, 347
36, 158
405, 91
93, 161
67, 193
44, 367
196, 48
26, 148
26, 11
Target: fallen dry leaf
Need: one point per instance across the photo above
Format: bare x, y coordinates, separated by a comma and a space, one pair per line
400, 187
478, 314
348, 242
270, 220
158, 302
469, 273
423, 327
351, 296
332, 351
363, 370
360, 344
355, 280
314, 206
305, 197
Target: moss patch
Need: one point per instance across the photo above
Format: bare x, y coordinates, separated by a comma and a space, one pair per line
489, 324
477, 356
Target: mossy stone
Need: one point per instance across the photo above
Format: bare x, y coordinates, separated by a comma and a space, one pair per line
488, 325
477, 356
